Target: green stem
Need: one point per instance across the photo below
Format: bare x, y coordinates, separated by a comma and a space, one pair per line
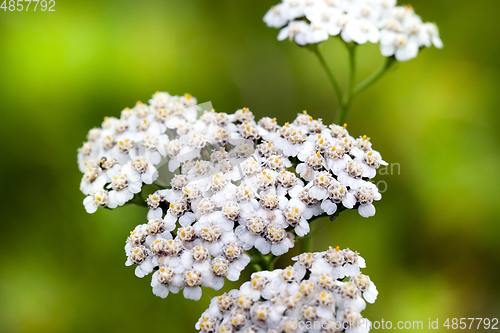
305, 245
305, 242
331, 77
138, 200
257, 267
347, 99
157, 187
272, 261
262, 262
375, 76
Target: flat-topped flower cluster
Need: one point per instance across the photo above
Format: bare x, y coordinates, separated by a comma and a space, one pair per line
235, 184
399, 30
321, 292
226, 190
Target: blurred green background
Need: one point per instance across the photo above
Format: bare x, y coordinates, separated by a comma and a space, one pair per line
432, 248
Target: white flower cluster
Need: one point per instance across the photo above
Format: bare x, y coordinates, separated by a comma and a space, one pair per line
312, 296
196, 257
121, 156
235, 184
399, 30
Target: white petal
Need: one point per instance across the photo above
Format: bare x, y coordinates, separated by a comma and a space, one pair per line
370, 295
218, 283
88, 202
349, 201
193, 293
139, 272
160, 290
281, 248
155, 213
329, 207
366, 210
262, 245
387, 50
187, 219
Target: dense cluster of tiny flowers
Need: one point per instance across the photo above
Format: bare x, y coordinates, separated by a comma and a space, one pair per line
198, 256
321, 292
399, 30
235, 184
121, 156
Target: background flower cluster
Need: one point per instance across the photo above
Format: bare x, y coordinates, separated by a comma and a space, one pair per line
400, 31
321, 292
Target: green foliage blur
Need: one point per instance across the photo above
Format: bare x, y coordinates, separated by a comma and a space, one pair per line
432, 248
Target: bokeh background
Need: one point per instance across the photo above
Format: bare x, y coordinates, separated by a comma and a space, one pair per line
432, 248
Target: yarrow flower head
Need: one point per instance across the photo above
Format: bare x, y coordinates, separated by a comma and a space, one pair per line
400, 31
234, 186
321, 292
223, 190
